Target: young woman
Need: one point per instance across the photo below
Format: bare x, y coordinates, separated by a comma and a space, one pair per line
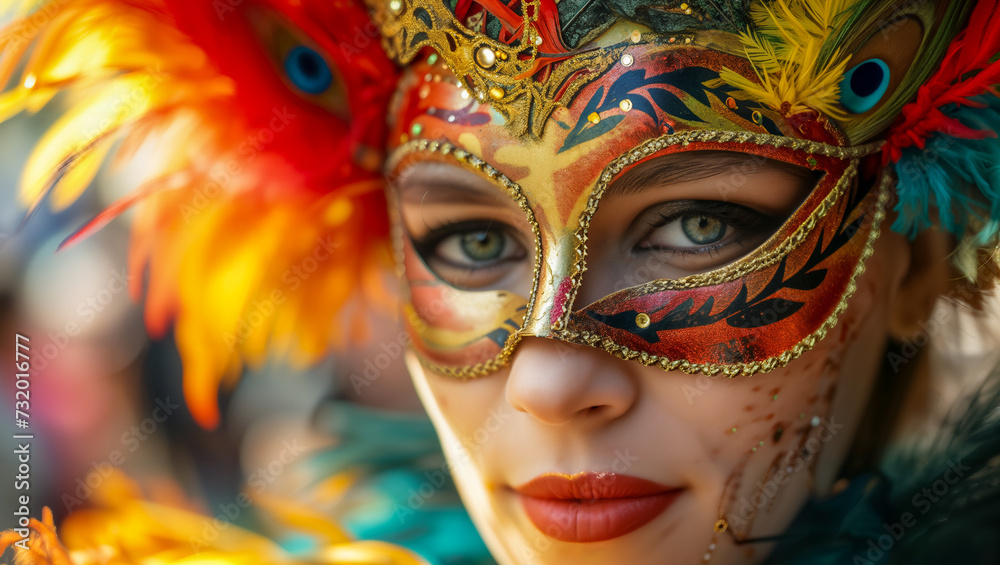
658, 260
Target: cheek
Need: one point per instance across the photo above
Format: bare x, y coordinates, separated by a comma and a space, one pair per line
471, 409
768, 442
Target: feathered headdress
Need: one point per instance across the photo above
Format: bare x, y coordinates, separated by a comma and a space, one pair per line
266, 119
944, 145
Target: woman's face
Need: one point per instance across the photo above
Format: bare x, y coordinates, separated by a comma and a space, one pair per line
712, 254
571, 455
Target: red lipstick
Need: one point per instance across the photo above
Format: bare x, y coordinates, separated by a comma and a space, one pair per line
589, 507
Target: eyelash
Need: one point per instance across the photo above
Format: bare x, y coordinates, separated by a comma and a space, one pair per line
428, 242
745, 220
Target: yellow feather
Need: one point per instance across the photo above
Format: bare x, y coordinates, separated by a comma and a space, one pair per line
78, 178
785, 52
77, 130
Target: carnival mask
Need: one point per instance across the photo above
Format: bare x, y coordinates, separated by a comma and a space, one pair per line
550, 129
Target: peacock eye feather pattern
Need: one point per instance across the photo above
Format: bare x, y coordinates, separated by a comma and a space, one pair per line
788, 48
253, 178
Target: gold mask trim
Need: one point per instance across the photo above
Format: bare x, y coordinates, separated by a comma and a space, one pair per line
477, 164
729, 272
758, 258
767, 365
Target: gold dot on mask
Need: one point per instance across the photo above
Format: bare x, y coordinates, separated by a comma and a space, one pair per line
642, 320
758, 118
625, 105
627, 60
486, 57
721, 525
636, 36
594, 118
396, 6
496, 93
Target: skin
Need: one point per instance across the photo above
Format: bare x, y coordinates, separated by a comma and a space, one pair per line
561, 408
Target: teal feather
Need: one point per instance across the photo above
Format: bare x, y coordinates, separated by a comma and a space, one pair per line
928, 505
956, 177
404, 493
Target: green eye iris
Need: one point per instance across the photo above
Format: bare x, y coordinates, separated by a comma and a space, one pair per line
703, 229
483, 245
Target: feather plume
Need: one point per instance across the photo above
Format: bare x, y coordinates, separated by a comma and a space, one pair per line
957, 175
945, 148
967, 70
123, 526
786, 51
254, 182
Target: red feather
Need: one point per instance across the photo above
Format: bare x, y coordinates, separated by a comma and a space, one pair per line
968, 56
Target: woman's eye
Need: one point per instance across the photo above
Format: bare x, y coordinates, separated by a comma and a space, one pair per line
472, 255
692, 236
473, 248
690, 232
702, 229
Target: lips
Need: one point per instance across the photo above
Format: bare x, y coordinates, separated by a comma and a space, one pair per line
589, 507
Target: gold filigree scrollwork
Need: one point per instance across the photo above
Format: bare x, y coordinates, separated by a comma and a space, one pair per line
491, 70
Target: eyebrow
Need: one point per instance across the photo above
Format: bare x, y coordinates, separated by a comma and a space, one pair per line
426, 187
419, 192
672, 169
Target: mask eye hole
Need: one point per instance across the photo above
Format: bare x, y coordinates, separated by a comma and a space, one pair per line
307, 70
864, 85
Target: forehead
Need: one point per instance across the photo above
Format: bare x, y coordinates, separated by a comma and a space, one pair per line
648, 92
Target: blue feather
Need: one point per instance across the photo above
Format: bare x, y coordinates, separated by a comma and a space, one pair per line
956, 177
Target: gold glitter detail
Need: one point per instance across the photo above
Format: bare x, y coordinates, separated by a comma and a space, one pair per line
594, 118
642, 320
496, 93
636, 36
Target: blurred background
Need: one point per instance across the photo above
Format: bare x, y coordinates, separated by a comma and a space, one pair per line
104, 396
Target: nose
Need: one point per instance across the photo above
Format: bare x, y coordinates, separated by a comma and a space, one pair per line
558, 383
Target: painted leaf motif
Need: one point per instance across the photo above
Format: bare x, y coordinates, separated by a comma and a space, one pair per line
672, 105
764, 313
